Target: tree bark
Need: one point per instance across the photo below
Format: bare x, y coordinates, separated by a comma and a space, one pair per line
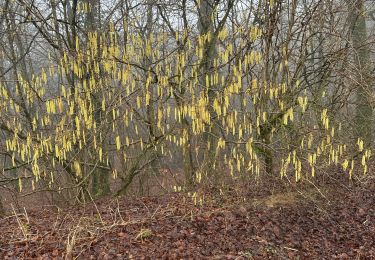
364, 113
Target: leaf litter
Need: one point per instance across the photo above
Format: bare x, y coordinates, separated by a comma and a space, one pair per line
276, 226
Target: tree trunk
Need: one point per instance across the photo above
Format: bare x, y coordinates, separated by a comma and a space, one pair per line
364, 113
100, 180
206, 27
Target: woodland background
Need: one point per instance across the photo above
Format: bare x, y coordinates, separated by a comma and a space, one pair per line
133, 97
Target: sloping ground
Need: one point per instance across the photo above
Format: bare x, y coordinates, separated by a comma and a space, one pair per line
282, 226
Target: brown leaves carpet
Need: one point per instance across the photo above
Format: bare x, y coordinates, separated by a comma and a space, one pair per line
337, 222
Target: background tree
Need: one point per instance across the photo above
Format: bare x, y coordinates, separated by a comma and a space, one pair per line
359, 38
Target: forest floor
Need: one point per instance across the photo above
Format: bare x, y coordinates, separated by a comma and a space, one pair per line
336, 220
